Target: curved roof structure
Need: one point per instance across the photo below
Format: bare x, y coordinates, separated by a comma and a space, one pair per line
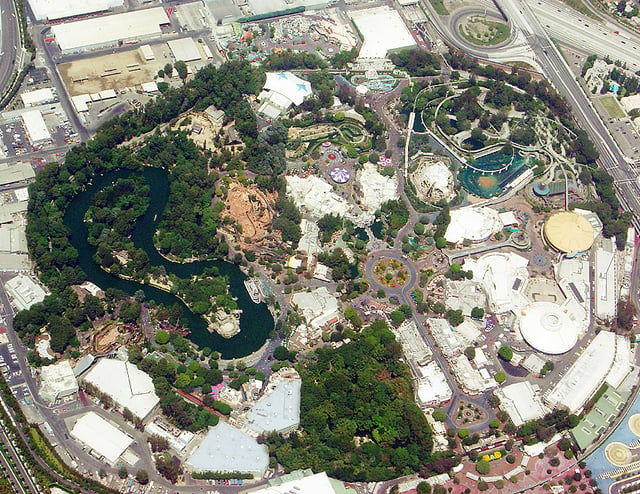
474, 224
548, 328
569, 232
288, 85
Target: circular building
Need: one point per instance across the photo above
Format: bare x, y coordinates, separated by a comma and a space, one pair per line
547, 328
339, 175
569, 232
541, 189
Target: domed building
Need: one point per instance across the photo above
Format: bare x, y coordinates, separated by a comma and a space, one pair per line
569, 232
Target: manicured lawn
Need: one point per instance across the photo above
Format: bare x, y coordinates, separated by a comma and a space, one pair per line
612, 106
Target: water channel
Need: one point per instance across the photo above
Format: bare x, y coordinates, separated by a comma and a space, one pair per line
256, 322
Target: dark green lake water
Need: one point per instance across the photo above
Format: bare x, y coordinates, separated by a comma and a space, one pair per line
256, 321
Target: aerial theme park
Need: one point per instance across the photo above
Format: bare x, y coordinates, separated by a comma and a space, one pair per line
321, 247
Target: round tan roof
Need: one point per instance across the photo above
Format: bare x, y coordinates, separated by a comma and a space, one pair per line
569, 232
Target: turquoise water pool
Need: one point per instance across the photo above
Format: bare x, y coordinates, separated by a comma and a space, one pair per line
491, 174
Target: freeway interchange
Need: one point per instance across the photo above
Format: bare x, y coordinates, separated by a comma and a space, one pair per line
531, 42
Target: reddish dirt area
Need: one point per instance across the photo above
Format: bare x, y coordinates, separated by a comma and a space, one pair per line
249, 208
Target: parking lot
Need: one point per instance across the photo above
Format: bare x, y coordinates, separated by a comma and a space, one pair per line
14, 139
9, 365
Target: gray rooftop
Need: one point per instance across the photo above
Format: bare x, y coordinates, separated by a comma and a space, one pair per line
278, 410
227, 449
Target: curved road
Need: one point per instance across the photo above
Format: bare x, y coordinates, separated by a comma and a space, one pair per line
403, 293
9, 43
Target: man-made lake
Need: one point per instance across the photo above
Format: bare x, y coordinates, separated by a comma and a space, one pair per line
256, 322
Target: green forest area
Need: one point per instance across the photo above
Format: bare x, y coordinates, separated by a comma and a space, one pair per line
358, 417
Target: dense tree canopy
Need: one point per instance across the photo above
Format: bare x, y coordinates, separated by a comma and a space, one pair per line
358, 417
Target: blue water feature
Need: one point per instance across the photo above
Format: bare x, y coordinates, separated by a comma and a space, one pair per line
598, 463
489, 176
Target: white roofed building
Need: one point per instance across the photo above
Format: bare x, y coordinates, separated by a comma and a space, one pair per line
101, 436
383, 30
432, 387
184, 49
24, 292
548, 327
57, 381
473, 224
521, 401
319, 307
38, 97
60, 9
227, 449
36, 127
106, 31
128, 386
606, 296
312, 484
278, 409
282, 90
503, 276
607, 359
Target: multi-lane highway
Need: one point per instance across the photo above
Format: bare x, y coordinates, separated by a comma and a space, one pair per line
559, 74
582, 33
9, 43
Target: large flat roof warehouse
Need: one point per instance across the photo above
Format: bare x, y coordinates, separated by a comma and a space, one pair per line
278, 409
35, 126
184, 49
102, 437
60, 9
607, 358
383, 30
128, 386
108, 30
18, 172
215, 454
312, 484
521, 402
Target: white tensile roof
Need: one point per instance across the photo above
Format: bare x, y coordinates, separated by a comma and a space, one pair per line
101, 436
548, 328
128, 386
109, 29
288, 85
59, 9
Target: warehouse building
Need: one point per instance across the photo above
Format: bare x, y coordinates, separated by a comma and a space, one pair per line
128, 386
49, 10
184, 49
521, 401
36, 127
383, 30
108, 31
39, 97
215, 454
279, 408
301, 482
607, 359
57, 381
104, 439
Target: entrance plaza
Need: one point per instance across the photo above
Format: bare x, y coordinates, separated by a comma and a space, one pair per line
620, 453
